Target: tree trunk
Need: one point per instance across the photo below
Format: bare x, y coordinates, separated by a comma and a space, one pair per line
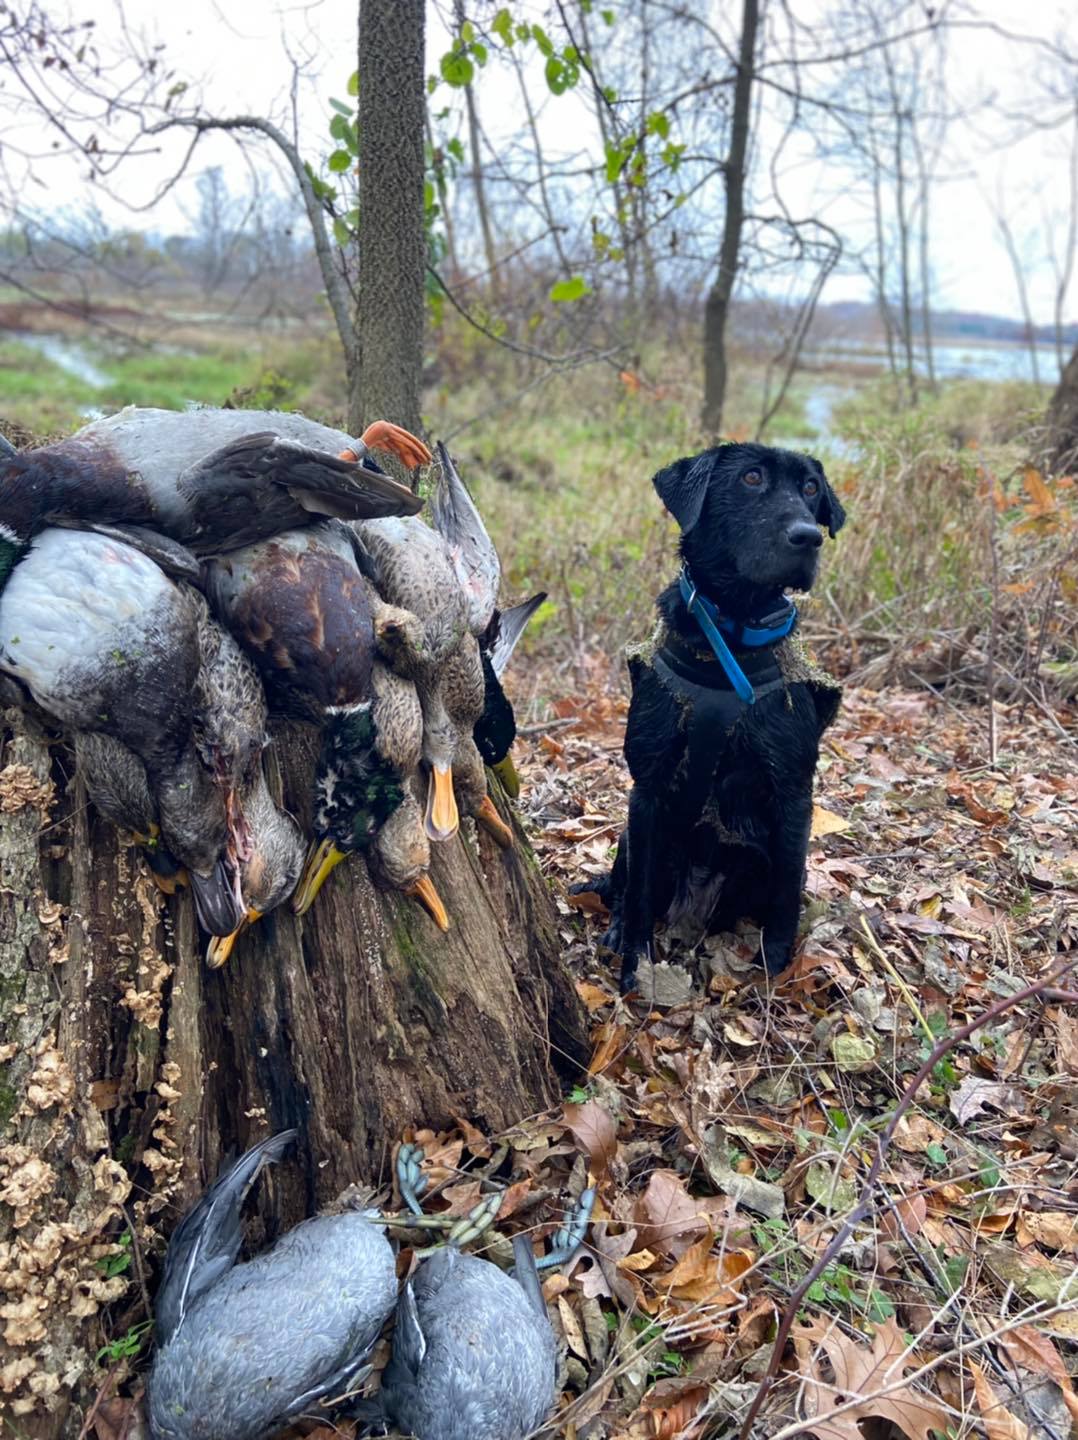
717, 306
392, 243
1062, 450
129, 1069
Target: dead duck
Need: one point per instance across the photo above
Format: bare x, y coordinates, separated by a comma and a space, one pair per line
431, 644
475, 562
104, 641
474, 1356
116, 782
365, 801
270, 868
242, 1349
301, 609
228, 729
213, 479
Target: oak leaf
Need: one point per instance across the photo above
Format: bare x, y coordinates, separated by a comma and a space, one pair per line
872, 1376
592, 1127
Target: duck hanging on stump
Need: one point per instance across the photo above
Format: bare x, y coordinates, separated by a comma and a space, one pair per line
304, 613
106, 642
478, 569
213, 479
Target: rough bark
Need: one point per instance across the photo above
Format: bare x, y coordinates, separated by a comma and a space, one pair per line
392, 243
717, 306
1062, 449
128, 1069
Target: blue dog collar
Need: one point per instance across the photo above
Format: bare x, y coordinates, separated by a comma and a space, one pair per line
751, 637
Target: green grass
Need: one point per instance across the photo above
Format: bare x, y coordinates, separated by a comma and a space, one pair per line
37, 394
172, 381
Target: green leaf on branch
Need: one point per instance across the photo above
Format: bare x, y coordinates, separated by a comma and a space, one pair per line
455, 147
608, 16
457, 69
344, 131
340, 161
658, 124
543, 40
341, 233
467, 32
353, 83
572, 289
502, 26
341, 108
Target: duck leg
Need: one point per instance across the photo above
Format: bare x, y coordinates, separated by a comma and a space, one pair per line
567, 1240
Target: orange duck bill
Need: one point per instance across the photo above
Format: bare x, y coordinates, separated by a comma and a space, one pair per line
493, 824
423, 890
220, 946
442, 819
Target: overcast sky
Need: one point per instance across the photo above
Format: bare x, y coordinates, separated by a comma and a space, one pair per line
239, 54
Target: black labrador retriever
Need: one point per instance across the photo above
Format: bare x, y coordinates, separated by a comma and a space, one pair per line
727, 711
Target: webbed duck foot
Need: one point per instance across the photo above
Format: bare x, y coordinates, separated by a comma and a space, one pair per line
493, 824
567, 1240
395, 440
411, 1181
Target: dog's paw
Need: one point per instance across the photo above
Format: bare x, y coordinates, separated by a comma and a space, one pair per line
774, 959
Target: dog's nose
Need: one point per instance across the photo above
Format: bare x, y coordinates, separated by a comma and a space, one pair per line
803, 536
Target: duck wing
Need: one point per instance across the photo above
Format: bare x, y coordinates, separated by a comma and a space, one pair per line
260, 484
505, 629
205, 1244
471, 550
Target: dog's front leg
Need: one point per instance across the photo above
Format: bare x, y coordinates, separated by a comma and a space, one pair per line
789, 850
637, 912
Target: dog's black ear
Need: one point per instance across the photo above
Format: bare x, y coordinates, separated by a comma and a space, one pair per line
682, 487
830, 511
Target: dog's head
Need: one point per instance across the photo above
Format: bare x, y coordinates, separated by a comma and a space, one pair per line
750, 519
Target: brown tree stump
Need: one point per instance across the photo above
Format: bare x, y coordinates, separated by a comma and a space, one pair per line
127, 1069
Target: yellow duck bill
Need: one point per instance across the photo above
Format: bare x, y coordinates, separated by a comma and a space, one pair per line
423, 890
322, 859
506, 772
220, 946
442, 818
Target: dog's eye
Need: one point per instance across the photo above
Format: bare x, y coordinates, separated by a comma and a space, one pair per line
810, 488
753, 477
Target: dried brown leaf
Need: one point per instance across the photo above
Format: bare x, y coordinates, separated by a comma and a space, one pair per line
999, 1423
592, 1127
874, 1374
